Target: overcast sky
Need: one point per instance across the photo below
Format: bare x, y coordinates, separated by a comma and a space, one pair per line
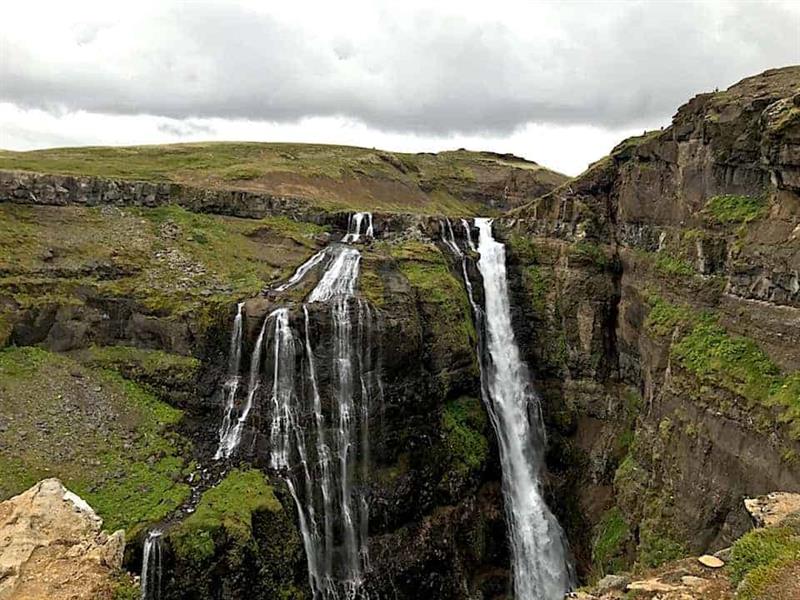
559, 83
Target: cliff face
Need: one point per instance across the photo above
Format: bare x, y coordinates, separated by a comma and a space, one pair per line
655, 297
659, 294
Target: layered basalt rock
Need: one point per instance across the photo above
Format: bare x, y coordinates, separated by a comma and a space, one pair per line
667, 276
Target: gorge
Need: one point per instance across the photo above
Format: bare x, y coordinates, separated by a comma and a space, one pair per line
326, 372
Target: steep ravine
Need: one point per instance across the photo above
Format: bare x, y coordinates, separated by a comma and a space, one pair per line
658, 297
655, 301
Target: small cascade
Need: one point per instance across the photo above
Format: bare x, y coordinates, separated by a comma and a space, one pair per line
229, 441
339, 278
354, 227
468, 232
448, 237
231, 385
151, 566
541, 566
303, 269
318, 443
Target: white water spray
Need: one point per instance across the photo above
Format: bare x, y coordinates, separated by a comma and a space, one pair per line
354, 223
151, 566
540, 563
231, 385
303, 269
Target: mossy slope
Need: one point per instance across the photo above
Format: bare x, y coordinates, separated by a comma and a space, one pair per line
330, 177
106, 438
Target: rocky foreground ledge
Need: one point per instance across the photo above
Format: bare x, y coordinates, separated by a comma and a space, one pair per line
763, 564
52, 546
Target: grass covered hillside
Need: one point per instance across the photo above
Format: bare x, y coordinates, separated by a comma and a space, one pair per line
330, 177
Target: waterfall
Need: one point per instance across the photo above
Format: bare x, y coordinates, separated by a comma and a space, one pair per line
354, 226
468, 233
231, 385
339, 278
303, 269
540, 562
229, 441
318, 441
151, 566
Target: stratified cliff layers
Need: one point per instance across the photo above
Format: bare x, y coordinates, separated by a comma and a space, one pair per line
260, 360
660, 299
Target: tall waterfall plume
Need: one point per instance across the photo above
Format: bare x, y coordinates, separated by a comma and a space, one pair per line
540, 560
231, 385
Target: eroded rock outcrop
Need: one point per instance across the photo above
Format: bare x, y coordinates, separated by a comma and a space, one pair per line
52, 546
658, 294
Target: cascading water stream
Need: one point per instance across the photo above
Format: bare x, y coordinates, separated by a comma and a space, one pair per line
151, 566
354, 227
318, 445
231, 385
301, 271
540, 560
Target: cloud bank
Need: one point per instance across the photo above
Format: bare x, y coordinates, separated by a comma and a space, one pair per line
396, 68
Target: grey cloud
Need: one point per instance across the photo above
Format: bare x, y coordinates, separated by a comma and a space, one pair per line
431, 74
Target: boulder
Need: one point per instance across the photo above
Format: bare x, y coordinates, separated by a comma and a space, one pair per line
52, 546
707, 560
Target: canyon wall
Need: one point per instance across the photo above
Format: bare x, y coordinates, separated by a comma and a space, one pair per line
659, 296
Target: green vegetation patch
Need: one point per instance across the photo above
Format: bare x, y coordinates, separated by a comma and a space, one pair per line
758, 557
169, 261
443, 299
106, 438
657, 547
736, 363
159, 371
523, 248
333, 177
587, 252
731, 208
224, 515
668, 264
611, 535
464, 425
537, 284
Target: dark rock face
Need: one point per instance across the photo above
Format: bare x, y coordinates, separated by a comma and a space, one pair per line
653, 292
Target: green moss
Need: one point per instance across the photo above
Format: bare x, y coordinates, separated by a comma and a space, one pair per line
370, 282
161, 372
657, 547
106, 438
667, 264
464, 426
608, 544
765, 581
762, 549
589, 253
665, 318
125, 588
523, 248
442, 298
224, 513
731, 208
537, 285
735, 363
